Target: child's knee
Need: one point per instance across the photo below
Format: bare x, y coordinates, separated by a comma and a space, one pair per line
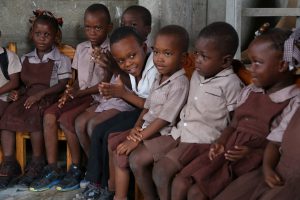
90, 126
195, 193
180, 183
79, 125
49, 119
135, 161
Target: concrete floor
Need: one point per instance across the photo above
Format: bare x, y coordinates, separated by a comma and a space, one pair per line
22, 194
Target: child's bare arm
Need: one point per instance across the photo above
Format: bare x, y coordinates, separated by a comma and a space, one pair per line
271, 158
154, 127
12, 84
135, 133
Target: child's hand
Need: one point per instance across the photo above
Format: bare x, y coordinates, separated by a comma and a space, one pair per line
126, 147
109, 90
135, 134
215, 150
272, 178
237, 153
14, 95
32, 100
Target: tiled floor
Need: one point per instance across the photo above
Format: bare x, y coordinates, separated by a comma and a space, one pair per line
22, 194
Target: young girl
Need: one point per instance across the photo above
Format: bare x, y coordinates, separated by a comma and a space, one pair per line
9, 76
280, 178
45, 72
167, 96
262, 110
129, 50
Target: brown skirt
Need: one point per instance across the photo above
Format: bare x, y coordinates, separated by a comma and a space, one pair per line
17, 118
3, 106
68, 113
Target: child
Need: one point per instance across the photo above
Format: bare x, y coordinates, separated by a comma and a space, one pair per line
9, 76
166, 98
213, 94
281, 157
129, 50
45, 72
76, 99
263, 109
139, 18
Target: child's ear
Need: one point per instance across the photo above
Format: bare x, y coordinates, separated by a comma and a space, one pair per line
227, 60
283, 66
110, 27
183, 58
148, 29
145, 48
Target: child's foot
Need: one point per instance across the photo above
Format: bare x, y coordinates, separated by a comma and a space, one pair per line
84, 183
106, 194
71, 180
50, 177
91, 192
9, 170
33, 171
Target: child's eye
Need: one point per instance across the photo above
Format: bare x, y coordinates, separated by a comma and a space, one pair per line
155, 52
99, 28
47, 34
132, 56
37, 33
120, 62
133, 24
168, 54
196, 53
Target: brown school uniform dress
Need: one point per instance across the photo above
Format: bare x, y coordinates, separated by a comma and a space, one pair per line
36, 78
252, 128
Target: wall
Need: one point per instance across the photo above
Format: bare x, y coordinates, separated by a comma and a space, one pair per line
14, 15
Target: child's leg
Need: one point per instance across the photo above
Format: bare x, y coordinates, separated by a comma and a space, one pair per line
8, 142
111, 181
141, 161
163, 173
195, 193
81, 130
180, 187
37, 143
50, 137
73, 144
99, 118
122, 182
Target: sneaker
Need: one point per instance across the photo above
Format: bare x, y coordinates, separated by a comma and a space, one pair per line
91, 192
9, 170
49, 178
106, 194
71, 180
84, 183
33, 171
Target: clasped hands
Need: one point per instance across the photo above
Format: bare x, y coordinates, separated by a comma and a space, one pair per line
132, 141
235, 154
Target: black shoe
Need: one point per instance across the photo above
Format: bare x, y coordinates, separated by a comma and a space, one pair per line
91, 192
32, 172
71, 181
106, 194
9, 170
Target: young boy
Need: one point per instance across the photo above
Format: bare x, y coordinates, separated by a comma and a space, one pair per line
214, 89
167, 96
139, 18
97, 25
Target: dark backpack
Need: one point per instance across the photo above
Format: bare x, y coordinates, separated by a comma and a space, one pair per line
4, 64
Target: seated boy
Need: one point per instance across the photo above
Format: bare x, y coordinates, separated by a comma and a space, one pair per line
214, 89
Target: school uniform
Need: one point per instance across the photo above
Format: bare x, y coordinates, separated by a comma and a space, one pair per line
14, 66
97, 169
165, 102
36, 75
205, 115
258, 114
89, 74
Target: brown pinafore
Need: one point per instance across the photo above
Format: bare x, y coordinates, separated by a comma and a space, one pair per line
252, 121
36, 77
288, 167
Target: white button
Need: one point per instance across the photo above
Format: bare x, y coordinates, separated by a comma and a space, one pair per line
151, 112
196, 98
201, 84
184, 124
